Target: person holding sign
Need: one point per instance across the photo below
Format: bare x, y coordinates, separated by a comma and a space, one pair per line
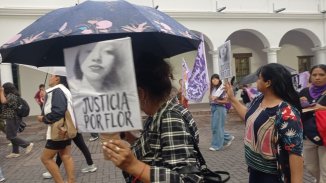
311, 98
164, 146
97, 67
56, 103
217, 97
273, 133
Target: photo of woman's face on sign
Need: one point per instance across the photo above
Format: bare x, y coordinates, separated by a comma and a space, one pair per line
102, 82
98, 63
97, 67
224, 60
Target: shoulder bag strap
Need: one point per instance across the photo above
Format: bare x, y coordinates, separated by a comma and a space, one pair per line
202, 162
200, 157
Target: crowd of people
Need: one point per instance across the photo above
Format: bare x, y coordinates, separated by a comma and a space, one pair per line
277, 139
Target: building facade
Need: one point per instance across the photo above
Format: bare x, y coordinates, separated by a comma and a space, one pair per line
292, 33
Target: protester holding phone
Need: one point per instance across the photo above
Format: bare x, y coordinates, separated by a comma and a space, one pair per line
218, 100
273, 132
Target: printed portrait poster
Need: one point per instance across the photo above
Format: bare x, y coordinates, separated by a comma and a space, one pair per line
102, 82
224, 60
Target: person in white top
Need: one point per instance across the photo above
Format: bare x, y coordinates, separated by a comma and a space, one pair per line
57, 102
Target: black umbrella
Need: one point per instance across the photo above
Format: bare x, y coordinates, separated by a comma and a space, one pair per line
251, 78
42, 43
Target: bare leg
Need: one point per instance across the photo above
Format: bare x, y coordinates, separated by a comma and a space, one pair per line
68, 162
49, 163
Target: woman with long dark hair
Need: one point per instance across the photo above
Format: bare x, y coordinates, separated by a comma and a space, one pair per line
10, 101
273, 135
314, 151
218, 100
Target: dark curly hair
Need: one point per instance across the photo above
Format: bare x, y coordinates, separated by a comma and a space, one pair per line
10, 88
154, 75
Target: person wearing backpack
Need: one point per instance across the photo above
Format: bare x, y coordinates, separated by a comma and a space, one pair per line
10, 101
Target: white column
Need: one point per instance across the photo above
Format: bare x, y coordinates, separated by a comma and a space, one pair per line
271, 54
214, 54
319, 55
6, 73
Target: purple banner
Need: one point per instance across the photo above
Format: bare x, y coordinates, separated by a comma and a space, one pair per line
185, 76
198, 81
303, 80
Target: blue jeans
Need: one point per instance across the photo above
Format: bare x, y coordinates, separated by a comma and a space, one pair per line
1, 175
219, 136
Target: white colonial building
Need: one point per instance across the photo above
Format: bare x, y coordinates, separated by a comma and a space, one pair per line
289, 32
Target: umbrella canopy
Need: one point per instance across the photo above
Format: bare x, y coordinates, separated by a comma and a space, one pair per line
59, 70
42, 42
251, 78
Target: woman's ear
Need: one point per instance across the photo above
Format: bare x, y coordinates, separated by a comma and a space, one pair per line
268, 83
57, 79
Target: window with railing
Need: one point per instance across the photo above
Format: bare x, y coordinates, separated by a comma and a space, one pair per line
242, 65
304, 63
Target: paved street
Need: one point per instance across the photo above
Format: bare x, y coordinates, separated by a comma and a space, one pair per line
28, 168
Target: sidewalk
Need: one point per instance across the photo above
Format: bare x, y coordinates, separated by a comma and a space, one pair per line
29, 169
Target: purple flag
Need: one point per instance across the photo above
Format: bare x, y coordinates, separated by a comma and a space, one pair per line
303, 80
185, 76
198, 81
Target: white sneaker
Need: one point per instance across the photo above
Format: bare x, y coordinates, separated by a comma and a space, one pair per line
230, 142
93, 139
13, 155
29, 148
47, 175
2, 179
89, 168
213, 149
10, 144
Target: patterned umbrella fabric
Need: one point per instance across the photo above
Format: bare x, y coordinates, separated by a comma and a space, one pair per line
42, 42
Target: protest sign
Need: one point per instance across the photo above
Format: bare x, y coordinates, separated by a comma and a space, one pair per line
218, 92
224, 60
102, 81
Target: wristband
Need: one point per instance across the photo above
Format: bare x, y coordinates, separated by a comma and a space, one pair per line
141, 173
